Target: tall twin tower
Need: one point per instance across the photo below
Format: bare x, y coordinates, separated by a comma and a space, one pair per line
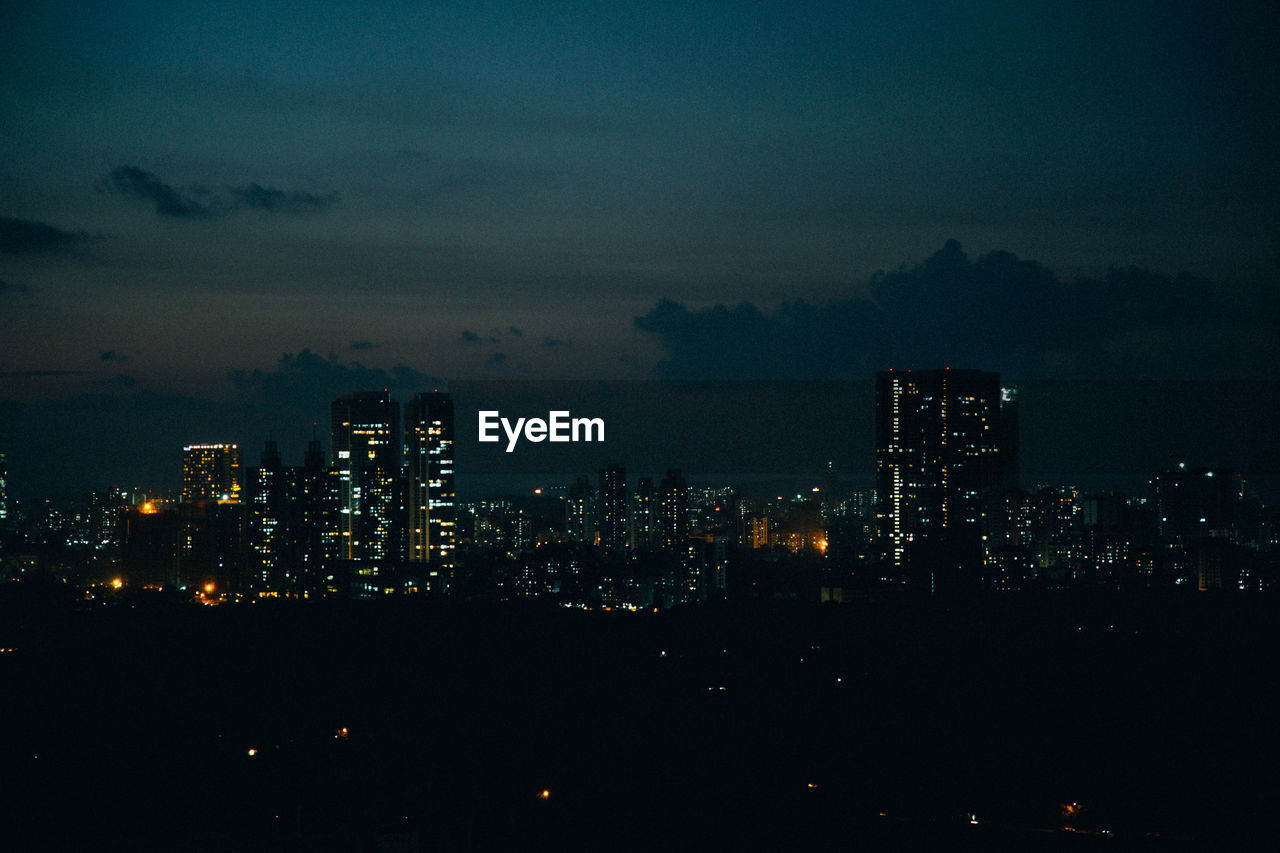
395, 505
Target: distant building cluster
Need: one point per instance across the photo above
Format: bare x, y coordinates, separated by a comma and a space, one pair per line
378, 515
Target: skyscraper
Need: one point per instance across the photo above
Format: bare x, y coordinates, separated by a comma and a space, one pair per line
613, 508
429, 440
365, 450
673, 510
292, 523
211, 472
642, 516
939, 467
211, 518
269, 531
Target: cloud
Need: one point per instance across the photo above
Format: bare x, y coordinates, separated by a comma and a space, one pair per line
29, 374
550, 342
470, 337
28, 237
169, 201
497, 359
272, 199
362, 345
998, 312
11, 287
196, 202
311, 381
515, 331
110, 355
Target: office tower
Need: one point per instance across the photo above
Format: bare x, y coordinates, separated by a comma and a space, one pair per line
428, 431
612, 507
4, 489
211, 472
292, 523
365, 450
211, 519
579, 511
316, 494
642, 516
938, 468
268, 498
673, 510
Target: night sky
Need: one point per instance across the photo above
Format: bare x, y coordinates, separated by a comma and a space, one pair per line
213, 217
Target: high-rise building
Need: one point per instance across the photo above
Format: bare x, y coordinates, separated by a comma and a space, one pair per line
211, 472
269, 532
579, 511
4, 489
642, 516
211, 518
673, 510
612, 507
292, 523
317, 498
429, 445
939, 467
365, 451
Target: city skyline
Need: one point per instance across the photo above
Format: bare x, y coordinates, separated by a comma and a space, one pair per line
930, 357
248, 207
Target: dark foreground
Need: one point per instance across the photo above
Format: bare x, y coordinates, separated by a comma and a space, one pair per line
1055, 723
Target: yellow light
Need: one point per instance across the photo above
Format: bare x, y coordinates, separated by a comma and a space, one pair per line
544, 794
208, 587
117, 583
252, 752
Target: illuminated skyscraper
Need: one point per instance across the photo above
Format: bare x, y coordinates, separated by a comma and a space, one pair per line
211, 472
642, 516
292, 523
579, 511
428, 432
939, 467
4, 489
613, 508
673, 511
365, 451
269, 533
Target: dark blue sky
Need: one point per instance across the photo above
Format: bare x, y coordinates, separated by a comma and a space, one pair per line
499, 190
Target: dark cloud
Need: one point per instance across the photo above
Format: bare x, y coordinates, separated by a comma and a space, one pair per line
276, 200
197, 201
998, 312
27, 237
515, 331
497, 359
111, 355
470, 337
28, 374
311, 381
550, 342
362, 345
11, 287
169, 201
